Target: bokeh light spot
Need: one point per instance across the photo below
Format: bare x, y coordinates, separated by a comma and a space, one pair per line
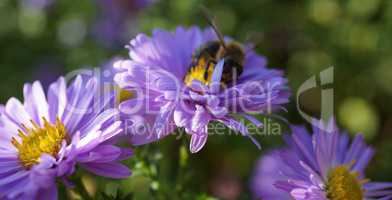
359, 116
71, 32
362, 8
383, 76
324, 12
32, 22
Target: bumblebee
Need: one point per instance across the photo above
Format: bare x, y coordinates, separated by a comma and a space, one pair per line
206, 57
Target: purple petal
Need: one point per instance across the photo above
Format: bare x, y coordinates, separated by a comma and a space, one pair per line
163, 119
200, 119
364, 160
354, 149
15, 110
303, 143
30, 103
197, 142
111, 170
57, 99
216, 77
378, 186
101, 154
267, 171
181, 117
299, 194
254, 120
16, 188
125, 153
82, 105
97, 122
14, 177
48, 194
73, 92
94, 138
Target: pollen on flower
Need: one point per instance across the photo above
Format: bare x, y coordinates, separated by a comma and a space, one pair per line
344, 184
200, 72
123, 95
35, 141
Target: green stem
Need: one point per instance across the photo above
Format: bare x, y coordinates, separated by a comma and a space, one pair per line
81, 190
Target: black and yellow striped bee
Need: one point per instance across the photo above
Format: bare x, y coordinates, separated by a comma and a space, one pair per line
206, 57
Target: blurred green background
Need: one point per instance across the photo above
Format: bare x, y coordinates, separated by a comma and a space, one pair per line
42, 39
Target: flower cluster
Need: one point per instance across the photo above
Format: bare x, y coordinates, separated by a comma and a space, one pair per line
181, 80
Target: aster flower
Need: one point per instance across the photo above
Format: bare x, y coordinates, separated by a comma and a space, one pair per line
170, 94
112, 27
322, 166
44, 138
112, 95
47, 72
38, 4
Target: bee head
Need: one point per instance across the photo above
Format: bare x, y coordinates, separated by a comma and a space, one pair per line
234, 51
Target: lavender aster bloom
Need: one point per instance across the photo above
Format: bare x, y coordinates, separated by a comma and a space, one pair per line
109, 89
47, 72
44, 138
322, 166
157, 71
116, 17
265, 175
38, 4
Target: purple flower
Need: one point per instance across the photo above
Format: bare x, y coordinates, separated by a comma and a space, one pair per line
44, 138
38, 4
116, 17
47, 72
156, 72
322, 166
109, 89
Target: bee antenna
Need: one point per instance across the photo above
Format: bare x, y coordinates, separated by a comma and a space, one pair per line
210, 20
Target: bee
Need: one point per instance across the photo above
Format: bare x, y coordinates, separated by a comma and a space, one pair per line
206, 57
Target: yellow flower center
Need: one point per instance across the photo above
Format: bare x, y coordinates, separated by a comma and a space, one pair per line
344, 184
38, 140
123, 95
